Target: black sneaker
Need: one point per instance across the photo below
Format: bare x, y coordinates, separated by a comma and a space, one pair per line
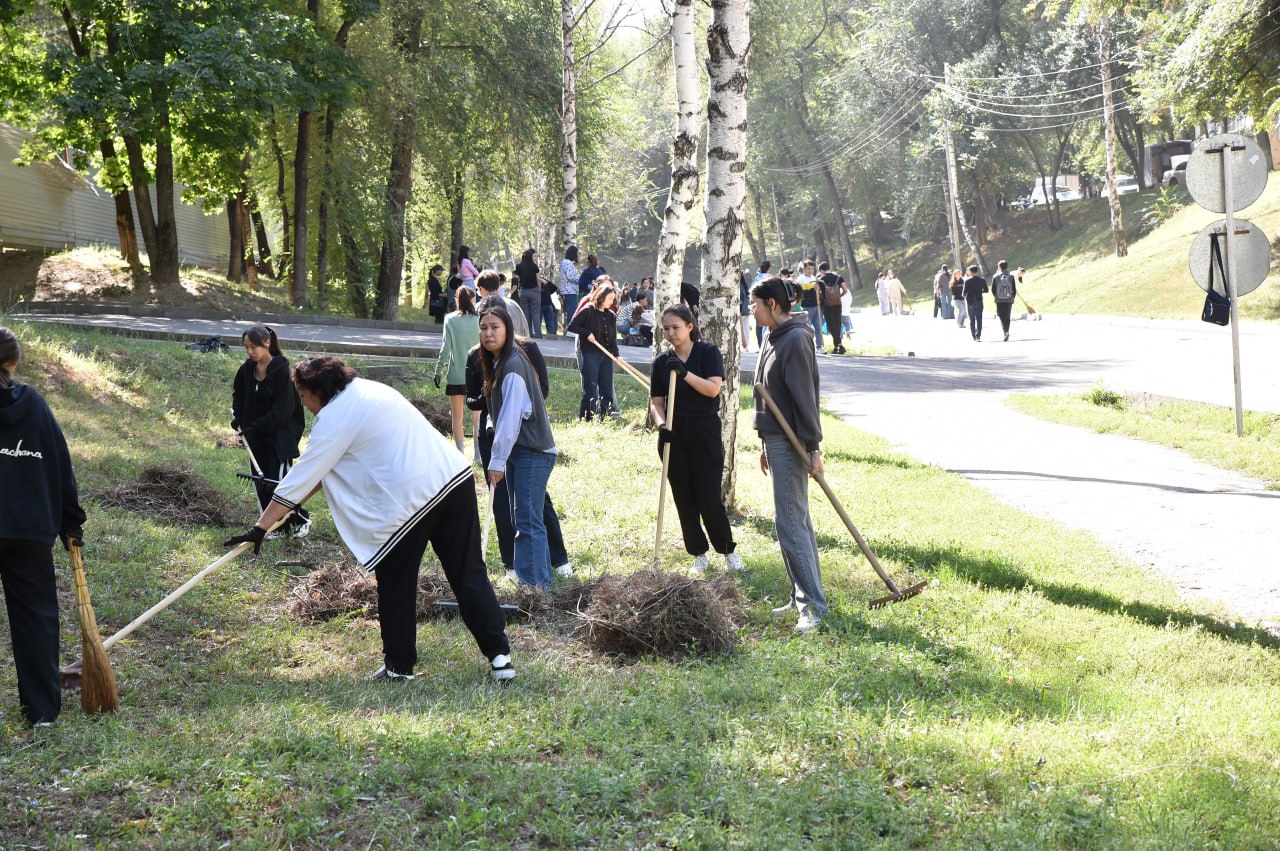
385, 673
501, 668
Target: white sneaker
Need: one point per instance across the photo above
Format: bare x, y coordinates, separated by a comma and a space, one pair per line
733, 561
502, 669
700, 564
565, 569
807, 623
782, 611
300, 530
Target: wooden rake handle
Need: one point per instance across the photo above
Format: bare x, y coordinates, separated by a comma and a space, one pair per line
826, 488
623, 365
666, 466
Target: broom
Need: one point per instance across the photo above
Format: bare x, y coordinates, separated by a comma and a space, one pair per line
97, 681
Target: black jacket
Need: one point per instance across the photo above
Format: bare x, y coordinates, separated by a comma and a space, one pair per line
477, 401
39, 500
271, 417
602, 323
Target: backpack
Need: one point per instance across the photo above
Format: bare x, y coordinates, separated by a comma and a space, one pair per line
1002, 287
830, 289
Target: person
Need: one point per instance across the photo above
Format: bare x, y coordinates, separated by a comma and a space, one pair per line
527, 294
597, 323
393, 485
761, 275
547, 310
957, 297
467, 270
789, 372
942, 294
585, 281
39, 504
461, 332
524, 450
642, 317
265, 409
832, 290
690, 295
882, 294
846, 315
437, 301
570, 283
693, 434
896, 292
1004, 287
476, 401
807, 284
451, 286
972, 289
744, 311
489, 285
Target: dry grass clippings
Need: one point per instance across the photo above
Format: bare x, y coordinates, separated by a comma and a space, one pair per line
175, 494
652, 612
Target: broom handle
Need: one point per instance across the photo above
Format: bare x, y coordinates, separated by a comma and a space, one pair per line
626, 367
484, 530
185, 587
666, 465
826, 488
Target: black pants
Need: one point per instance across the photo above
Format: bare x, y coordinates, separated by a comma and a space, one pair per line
1004, 309
506, 529
453, 530
697, 465
831, 316
975, 318
31, 597
273, 467
937, 306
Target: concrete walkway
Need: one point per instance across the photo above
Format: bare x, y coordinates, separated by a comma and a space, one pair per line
1209, 531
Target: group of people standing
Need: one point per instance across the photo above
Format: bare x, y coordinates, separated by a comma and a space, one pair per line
958, 295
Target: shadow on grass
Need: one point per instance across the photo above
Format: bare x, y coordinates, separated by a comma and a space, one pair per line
999, 574
873, 460
1006, 475
768, 528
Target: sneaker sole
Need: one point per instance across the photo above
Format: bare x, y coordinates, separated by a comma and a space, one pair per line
504, 675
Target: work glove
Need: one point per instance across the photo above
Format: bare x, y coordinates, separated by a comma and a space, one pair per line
677, 366
72, 537
435, 379
254, 536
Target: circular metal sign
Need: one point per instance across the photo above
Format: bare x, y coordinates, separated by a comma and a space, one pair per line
1248, 172
1252, 257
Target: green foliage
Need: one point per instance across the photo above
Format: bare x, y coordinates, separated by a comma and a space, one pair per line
1162, 206
1104, 397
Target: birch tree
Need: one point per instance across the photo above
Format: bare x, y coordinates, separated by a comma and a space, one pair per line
685, 177
1103, 31
728, 57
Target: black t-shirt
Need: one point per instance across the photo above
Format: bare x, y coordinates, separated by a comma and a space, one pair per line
528, 272
690, 294
704, 361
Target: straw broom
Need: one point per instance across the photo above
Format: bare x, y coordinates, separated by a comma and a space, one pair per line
97, 680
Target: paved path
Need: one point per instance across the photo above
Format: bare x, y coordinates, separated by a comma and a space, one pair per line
1210, 531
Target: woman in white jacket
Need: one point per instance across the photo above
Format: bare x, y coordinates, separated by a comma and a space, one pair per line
393, 484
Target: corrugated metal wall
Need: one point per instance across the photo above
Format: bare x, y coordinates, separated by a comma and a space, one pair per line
49, 206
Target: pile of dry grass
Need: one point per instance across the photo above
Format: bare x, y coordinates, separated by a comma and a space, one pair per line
439, 417
663, 614
174, 494
346, 588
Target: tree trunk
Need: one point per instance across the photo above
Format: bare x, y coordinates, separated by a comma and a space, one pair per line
569, 124
685, 176
282, 197
246, 240
1109, 130
301, 176
142, 196
164, 268
457, 196
761, 251
260, 231
124, 213
234, 231
322, 212
728, 58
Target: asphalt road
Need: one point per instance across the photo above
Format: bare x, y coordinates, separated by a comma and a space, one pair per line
1209, 531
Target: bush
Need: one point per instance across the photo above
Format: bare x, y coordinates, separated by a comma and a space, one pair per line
1105, 397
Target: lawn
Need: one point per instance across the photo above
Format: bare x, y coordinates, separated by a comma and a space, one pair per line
1042, 692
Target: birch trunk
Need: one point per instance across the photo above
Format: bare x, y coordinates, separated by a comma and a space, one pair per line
728, 57
1109, 130
569, 125
685, 176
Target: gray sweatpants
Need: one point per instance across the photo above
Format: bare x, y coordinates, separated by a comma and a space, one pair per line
799, 543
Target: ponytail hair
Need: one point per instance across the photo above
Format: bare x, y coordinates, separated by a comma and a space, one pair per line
264, 335
466, 301
10, 352
682, 311
773, 289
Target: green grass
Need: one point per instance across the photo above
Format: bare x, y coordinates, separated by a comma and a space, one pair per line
1206, 432
1042, 692
1075, 270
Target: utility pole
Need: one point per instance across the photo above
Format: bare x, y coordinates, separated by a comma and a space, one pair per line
953, 183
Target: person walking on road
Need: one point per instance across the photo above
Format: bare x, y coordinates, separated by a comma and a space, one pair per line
942, 294
972, 289
958, 308
896, 292
807, 285
529, 293
789, 372
882, 295
1004, 286
697, 453
461, 332
832, 290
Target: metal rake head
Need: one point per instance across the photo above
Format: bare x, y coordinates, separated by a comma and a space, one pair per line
903, 594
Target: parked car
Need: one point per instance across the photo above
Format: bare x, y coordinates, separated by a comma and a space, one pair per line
1126, 184
1037, 196
1178, 173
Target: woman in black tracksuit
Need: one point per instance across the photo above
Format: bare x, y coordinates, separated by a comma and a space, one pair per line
267, 412
697, 454
38, 504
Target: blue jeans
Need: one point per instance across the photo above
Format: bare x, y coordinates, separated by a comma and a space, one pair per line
796, 538
961, 312
570, 305
549, 318
527, 473
597, 382
815, 319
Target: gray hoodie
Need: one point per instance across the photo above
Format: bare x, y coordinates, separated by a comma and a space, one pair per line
788, 369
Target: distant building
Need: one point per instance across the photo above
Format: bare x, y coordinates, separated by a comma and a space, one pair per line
49, 205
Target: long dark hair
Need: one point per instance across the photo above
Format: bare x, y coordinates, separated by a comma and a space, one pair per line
683, 312
10, 352
774, 289
324, 376
488, 360
263, 335
571, 253
466, 301
527, 256
464, 253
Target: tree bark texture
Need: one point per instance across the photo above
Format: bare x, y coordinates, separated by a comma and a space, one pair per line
685, 177
1109, 131
301, 176
569, 124
457, 197
164, 267
282, 197
141, 181
236, 255
728, 59
264, 243
124, 213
